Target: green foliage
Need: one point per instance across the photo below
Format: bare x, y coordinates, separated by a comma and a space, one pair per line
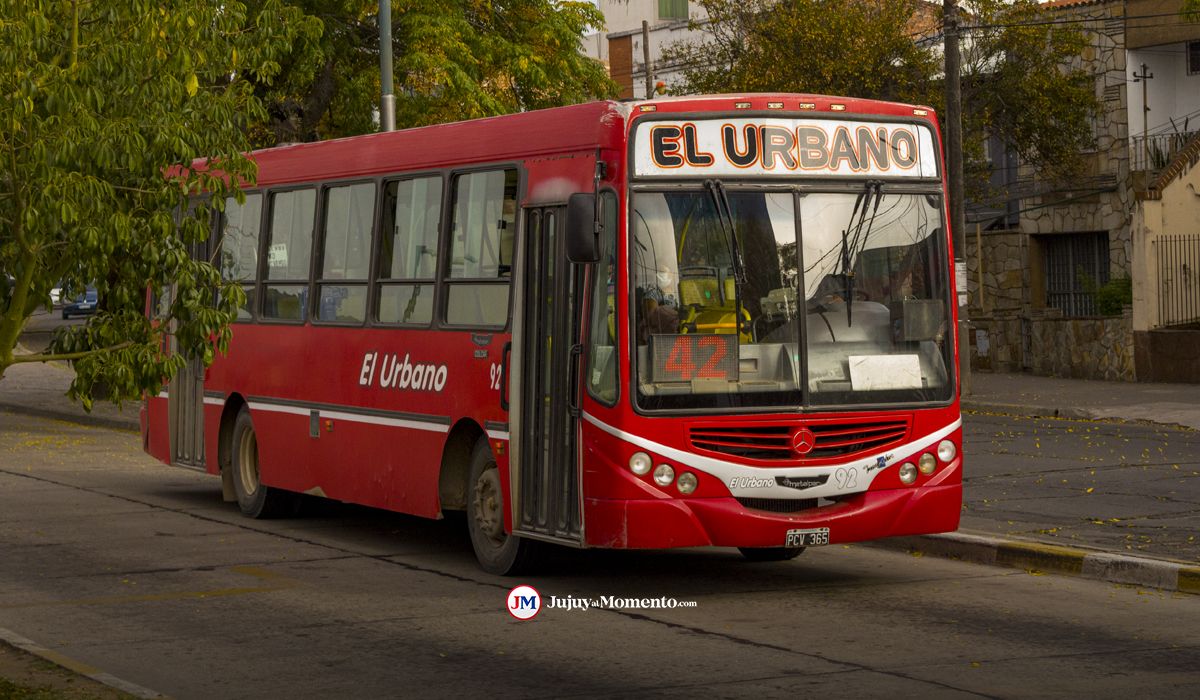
836, 47
452, 61
1019, 82
105, 105
1112, 296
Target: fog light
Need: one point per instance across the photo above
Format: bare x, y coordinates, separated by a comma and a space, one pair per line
946, 450
687, 482
927, 464
908, 473
640, 463
664, 475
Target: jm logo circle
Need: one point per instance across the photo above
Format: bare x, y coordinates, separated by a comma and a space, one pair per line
524, 602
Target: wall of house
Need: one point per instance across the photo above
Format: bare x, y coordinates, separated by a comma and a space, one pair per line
1101, 197
619, 45
1171, 93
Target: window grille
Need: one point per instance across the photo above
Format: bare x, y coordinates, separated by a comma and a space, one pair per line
1076, 264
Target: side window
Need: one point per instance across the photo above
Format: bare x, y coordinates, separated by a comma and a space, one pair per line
483, 227
289, 250
240, 226
602, 328
408, 250
346, 253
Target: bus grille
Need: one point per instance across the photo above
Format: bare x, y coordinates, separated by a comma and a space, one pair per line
831, 439
778, 505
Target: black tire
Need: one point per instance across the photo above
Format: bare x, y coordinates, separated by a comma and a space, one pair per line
498, 552
770, 553
66, 315
254, 499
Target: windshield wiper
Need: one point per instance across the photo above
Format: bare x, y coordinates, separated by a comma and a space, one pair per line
720, 198
852, 247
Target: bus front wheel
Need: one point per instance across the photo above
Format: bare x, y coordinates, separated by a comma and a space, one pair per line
497, 551
770, 553
254, 499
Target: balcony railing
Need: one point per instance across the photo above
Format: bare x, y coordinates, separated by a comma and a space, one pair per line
1153, 153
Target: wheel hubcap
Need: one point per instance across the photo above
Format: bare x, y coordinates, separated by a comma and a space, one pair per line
489, 518
248, 462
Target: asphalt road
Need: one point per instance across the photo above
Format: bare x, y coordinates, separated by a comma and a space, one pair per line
140, 570
1124, 487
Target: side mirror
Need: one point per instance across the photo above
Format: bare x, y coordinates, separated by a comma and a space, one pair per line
583, 228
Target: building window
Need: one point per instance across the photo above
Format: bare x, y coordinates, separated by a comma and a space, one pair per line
672, 9
1076, 264
1193, 57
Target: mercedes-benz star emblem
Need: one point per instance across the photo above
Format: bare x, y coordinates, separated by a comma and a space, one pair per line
803, 441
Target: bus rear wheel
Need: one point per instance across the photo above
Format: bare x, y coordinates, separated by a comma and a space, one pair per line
770, 553
254, 499
497, 551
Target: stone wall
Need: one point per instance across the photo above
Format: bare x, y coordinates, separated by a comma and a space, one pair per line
1048, 345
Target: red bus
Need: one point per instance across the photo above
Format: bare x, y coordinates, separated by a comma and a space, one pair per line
701, 321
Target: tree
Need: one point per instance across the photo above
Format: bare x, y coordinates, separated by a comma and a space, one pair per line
1021, 81
453, 60
105, 104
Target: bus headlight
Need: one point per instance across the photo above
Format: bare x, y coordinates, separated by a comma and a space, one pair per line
687, 482
664, 475
946, 450
908, 473
640, 463
927, 464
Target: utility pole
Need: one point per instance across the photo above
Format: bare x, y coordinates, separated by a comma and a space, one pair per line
954, 178
1145, 76
646, 59
387, 103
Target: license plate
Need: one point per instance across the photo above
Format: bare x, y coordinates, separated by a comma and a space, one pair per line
807, 538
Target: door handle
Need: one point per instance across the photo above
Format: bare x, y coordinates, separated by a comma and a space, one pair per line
573, 374
504, 375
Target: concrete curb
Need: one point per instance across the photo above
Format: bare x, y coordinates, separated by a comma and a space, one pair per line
1051, 558
16, 640
1027, 411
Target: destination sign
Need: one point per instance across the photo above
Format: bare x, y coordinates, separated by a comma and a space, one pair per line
772, 147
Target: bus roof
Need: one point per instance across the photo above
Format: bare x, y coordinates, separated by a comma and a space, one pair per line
517, 136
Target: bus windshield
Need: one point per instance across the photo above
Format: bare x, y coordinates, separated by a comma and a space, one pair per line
769, 298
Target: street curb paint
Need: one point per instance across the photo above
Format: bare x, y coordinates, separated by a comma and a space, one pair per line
1041, 557
78, 667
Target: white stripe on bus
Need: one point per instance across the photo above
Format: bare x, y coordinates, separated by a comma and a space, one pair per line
352, 417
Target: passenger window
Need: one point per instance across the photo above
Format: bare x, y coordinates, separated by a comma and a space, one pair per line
409, 250
345, 259
240, 226
483, 229
289, 252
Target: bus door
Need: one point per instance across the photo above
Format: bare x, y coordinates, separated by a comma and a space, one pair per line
548, 498
185, 396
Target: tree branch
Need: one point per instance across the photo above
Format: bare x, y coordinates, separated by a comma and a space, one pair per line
53, 357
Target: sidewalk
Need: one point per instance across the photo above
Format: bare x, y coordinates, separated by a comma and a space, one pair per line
1027, 395
41, 389
1115, 500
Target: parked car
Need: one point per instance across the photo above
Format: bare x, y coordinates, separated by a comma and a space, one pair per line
56, 294
83, 305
